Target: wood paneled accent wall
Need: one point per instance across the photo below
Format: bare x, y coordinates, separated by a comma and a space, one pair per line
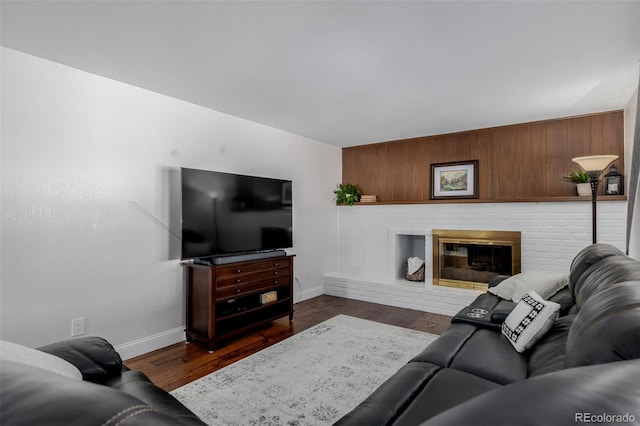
516, 162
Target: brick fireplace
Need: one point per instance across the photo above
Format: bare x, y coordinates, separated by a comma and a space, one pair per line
374, 241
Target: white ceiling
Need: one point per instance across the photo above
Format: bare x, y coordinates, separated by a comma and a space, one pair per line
351, 73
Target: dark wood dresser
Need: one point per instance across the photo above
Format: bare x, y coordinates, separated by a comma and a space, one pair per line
223, 301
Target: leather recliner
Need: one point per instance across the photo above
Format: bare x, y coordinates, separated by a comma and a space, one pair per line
586, 365
109, 393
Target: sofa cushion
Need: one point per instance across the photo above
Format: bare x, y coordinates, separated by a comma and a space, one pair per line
607, 328
529, 321
392, 397
13, 352
566, 397
489, 355
545, 283
446, 389
444, 349
548, 354
32, 396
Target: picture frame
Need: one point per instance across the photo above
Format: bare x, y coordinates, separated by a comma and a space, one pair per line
455, 180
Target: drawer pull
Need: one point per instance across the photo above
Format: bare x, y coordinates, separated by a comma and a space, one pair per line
238, 280
275, 264
238, 271
275, 281
275, 273
238, 290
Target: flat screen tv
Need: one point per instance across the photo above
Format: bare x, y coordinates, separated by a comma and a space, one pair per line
226, 213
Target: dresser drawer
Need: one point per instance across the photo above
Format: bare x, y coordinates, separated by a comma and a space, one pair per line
251, 277
257, 286
248, 267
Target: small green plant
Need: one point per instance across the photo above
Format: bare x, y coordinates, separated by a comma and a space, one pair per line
347, 193
580, 177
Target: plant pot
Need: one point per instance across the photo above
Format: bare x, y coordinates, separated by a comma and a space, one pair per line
584, 189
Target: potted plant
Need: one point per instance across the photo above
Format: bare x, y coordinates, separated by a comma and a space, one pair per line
347, 193
581, 179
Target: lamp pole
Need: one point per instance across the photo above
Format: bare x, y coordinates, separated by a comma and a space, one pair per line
594, 201
594, 165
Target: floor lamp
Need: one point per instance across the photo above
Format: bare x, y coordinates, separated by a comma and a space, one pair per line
594, 165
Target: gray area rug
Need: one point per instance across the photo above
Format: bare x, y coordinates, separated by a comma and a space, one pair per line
312, 378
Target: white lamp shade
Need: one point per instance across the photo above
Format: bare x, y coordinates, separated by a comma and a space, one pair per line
594, 163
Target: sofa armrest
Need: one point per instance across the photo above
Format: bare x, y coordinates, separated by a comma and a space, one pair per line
32, 396
138, 385
481, 318
95, 357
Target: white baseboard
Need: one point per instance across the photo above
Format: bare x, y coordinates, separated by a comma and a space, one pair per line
151, 343
176, 335
309, 294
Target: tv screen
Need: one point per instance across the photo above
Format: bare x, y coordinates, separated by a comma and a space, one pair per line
225, 213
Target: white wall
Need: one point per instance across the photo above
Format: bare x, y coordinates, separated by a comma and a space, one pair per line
89, 188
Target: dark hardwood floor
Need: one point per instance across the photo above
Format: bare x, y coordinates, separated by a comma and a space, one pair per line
179, 364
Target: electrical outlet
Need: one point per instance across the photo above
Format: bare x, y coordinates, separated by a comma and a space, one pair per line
77, 327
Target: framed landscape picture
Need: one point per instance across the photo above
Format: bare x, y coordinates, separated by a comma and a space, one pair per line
454, 180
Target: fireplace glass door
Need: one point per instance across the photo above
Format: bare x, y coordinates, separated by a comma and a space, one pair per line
468, 262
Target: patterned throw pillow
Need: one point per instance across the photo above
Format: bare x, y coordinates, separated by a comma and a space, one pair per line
529, 321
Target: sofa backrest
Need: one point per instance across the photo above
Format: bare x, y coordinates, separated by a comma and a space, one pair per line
607, 272
607, 327
586, 259
605, 284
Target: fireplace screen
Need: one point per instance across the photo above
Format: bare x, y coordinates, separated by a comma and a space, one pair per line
469, 259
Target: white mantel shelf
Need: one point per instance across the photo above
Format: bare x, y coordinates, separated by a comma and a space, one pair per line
482, 200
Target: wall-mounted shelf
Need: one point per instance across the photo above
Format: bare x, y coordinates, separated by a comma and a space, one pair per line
516, 200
